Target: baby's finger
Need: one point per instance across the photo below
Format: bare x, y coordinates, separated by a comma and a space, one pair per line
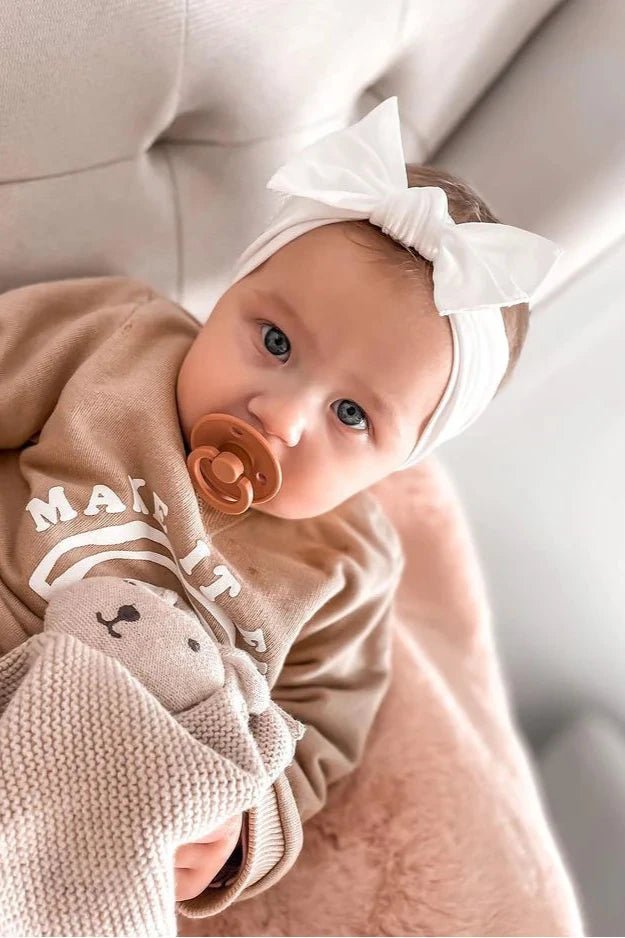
192, 856
186, 857
189, 883
202, 863
230, 828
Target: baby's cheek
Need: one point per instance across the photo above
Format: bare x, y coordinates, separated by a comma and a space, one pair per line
329, 486
316, 481
300, 497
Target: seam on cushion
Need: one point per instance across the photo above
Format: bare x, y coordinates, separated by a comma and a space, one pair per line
70, 172
251, 141
175, 194
139, 153
402, 47
183, 55
400, 41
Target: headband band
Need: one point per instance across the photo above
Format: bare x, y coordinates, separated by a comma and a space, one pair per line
478, 267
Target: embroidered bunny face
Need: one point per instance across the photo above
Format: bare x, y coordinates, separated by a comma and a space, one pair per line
150, 630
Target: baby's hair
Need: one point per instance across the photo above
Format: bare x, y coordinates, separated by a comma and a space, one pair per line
465, 205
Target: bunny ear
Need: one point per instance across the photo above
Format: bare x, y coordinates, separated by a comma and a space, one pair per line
251, 683
351, 168
481, 266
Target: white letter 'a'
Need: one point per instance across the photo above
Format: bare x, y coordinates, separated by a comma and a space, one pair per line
101, 496
57, 508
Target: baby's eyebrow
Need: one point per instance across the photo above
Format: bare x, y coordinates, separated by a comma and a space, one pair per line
286, 307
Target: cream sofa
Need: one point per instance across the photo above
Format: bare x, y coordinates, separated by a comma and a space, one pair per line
136, 137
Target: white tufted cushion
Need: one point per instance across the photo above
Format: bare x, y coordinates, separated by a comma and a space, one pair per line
136, 136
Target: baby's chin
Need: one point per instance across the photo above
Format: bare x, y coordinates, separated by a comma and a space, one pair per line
293, 509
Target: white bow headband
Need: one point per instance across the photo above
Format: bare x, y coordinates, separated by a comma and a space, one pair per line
360, 173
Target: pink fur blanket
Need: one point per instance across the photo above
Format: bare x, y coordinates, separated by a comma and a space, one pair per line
441, 830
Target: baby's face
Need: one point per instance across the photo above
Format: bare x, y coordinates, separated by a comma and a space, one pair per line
335, 359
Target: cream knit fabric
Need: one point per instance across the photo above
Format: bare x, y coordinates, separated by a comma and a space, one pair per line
125, 731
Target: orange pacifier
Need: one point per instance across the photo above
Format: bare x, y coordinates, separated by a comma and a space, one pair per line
231, 464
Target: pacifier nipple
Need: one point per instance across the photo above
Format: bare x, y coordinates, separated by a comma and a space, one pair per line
231, 464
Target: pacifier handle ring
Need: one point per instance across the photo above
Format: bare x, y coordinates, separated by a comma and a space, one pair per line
210, 488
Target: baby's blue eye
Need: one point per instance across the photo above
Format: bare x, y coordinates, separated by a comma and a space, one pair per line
351, 414
275, 341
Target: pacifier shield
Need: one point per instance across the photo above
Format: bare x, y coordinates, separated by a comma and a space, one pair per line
231, 464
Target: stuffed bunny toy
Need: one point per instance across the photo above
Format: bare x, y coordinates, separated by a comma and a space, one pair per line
126, 730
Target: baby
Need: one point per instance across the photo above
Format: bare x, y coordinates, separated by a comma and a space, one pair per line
374, 318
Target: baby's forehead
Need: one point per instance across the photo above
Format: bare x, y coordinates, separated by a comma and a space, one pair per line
363, 313
343, 264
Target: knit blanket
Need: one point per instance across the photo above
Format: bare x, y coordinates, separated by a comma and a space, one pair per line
126, 730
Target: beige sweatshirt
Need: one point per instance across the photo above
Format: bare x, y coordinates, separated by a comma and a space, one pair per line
93, 482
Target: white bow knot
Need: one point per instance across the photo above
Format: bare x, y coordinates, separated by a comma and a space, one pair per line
414, 216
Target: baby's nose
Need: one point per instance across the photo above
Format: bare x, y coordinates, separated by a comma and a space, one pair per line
284, 418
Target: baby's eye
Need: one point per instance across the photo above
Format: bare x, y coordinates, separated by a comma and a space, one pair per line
351, 414
275, 340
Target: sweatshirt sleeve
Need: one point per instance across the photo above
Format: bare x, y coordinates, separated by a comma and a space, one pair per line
46, 331
333, 680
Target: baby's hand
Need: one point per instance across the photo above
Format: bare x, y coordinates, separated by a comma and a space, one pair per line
197, 863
